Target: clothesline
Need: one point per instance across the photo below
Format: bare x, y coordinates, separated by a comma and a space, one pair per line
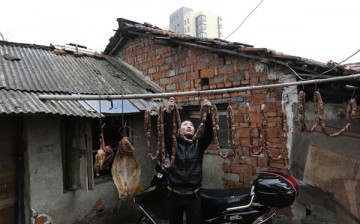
192, 93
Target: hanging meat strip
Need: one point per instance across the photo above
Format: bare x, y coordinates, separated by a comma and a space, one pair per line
126, 169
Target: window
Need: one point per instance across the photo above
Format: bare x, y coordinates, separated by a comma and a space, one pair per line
113, 131
201, 19
202, 35
202, 27
204, 81
76, 153
81, 142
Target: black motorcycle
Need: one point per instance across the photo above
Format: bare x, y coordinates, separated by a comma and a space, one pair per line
270, 191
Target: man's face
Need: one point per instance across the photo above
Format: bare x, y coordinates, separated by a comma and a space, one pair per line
187, 129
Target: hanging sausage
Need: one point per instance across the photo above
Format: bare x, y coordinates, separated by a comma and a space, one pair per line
319, 114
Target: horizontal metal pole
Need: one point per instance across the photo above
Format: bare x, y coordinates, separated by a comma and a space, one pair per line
192, 93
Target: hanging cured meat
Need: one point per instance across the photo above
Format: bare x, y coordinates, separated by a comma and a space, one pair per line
126, 169
99, 161
103, 157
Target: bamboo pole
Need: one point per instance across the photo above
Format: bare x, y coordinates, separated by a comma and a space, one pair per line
193, 93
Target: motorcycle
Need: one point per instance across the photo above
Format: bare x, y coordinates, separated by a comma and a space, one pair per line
270, 191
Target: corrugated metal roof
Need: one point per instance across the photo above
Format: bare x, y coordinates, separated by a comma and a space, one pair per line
20, 102
27, 70
40, 69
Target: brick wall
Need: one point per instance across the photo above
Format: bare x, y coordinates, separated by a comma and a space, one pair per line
258, 129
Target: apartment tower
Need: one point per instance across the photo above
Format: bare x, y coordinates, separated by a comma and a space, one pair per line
202, 24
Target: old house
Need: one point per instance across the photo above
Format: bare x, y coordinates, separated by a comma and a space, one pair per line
47, 147
267, 121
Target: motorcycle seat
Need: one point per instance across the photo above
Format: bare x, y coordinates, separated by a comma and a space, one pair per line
224, 193
217, 200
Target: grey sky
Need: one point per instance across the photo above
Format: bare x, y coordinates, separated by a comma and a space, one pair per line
320, 30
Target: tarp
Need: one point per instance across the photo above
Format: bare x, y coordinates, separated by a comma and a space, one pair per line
109, 106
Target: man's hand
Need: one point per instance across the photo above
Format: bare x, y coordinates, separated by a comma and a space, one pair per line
207, 104
171, 104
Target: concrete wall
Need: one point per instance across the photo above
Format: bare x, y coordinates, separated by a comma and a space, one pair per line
314, 196
141, 150
47, 196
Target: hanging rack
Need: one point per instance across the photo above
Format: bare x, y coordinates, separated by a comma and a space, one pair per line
193, 93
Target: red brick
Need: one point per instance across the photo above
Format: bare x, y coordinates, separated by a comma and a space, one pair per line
245, 82
192, 75
263, 78
206, 73
245, 142
158, 62
157, 76
219, 79
272, 124
216, 62
220, 85
255, 117
200, 66
272, 132
228, 84
190, 60
244, 132
272, 114
236, 83
196, 51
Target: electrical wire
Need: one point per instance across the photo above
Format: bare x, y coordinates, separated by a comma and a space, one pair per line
323, 73
336, 65
245, 19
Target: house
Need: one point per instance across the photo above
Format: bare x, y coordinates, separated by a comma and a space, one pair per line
48, 146
267, 121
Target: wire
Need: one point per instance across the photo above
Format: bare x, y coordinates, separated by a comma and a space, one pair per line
334, 66
323, 73
245, 19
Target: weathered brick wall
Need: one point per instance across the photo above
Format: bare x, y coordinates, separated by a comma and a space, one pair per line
182, 68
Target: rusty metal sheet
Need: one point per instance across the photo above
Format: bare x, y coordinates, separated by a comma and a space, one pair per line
347, 196
323, 166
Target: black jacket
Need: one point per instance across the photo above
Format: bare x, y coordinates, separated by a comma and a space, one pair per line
186, 173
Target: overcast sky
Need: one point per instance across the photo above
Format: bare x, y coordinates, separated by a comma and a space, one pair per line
322, 30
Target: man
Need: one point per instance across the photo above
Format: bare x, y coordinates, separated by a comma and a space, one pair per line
185, 176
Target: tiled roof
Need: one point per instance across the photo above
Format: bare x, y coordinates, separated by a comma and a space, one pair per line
129, 29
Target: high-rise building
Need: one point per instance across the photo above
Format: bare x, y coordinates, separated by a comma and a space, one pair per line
200, 24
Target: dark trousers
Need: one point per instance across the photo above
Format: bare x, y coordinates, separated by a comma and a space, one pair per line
190, 204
